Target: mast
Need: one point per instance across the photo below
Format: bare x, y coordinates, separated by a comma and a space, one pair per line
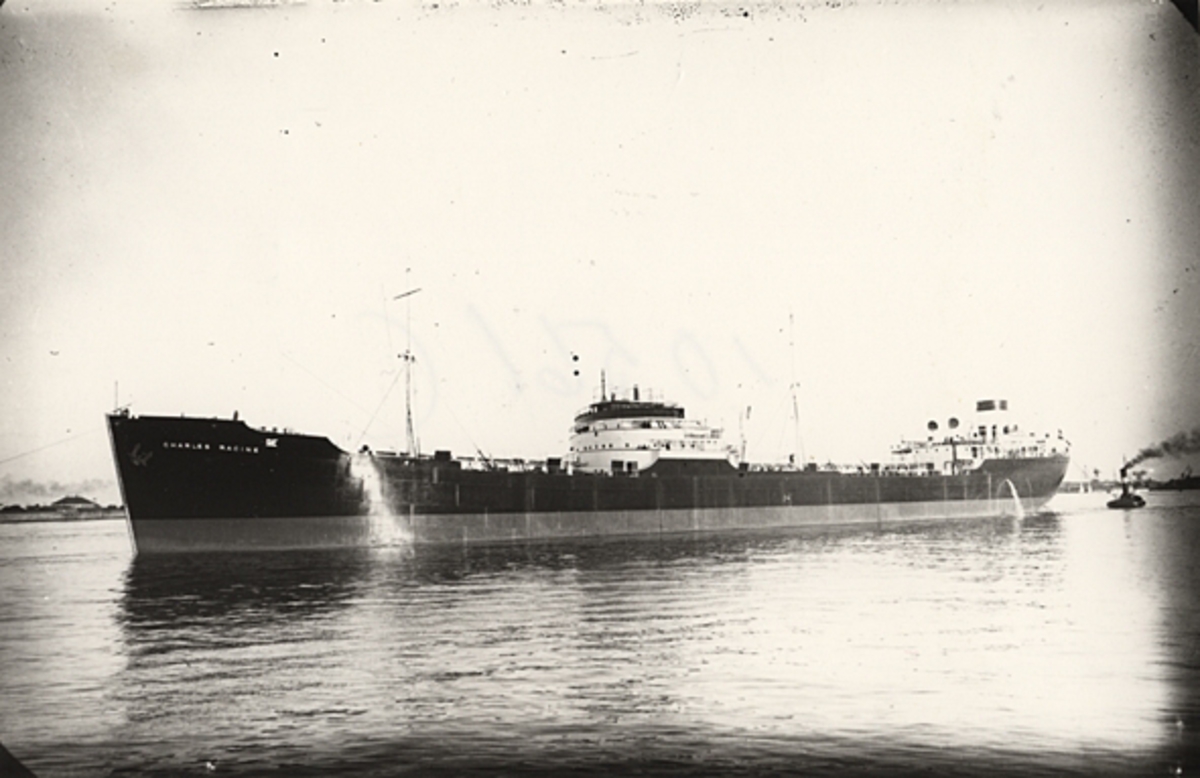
797, 450
742, 418
409, 358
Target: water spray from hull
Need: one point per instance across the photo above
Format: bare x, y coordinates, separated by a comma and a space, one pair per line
1018, 509
385, 525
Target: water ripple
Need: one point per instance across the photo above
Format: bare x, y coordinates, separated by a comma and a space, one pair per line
1066, 643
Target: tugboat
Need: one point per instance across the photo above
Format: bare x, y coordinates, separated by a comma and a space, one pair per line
1128, 498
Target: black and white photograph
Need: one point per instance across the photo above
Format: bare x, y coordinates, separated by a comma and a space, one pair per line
599, 387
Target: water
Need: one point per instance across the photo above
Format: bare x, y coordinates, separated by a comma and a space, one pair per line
1064, 643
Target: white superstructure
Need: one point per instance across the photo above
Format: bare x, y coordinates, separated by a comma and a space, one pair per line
627, 435
992, 434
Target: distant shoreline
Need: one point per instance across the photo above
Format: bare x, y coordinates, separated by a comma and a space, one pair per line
44, 516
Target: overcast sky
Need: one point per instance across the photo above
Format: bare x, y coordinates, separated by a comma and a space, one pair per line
213, 209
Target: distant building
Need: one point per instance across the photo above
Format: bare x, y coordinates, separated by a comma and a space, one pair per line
75, 506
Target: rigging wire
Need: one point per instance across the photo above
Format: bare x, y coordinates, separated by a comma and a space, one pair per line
322, 381
465, 431
378, 408
33, 451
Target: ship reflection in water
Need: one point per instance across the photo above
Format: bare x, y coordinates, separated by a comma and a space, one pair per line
1057, 643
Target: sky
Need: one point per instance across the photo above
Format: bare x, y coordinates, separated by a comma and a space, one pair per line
899, 208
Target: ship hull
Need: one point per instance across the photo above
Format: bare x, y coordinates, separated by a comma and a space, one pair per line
215, 485
310, 532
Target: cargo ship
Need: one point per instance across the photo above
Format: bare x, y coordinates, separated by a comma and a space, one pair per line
1186, 480
634, 466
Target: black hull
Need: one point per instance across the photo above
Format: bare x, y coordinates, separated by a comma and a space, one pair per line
1177, 484
219, 484
1127, 502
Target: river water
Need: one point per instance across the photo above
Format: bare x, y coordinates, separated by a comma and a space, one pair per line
1064, 643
